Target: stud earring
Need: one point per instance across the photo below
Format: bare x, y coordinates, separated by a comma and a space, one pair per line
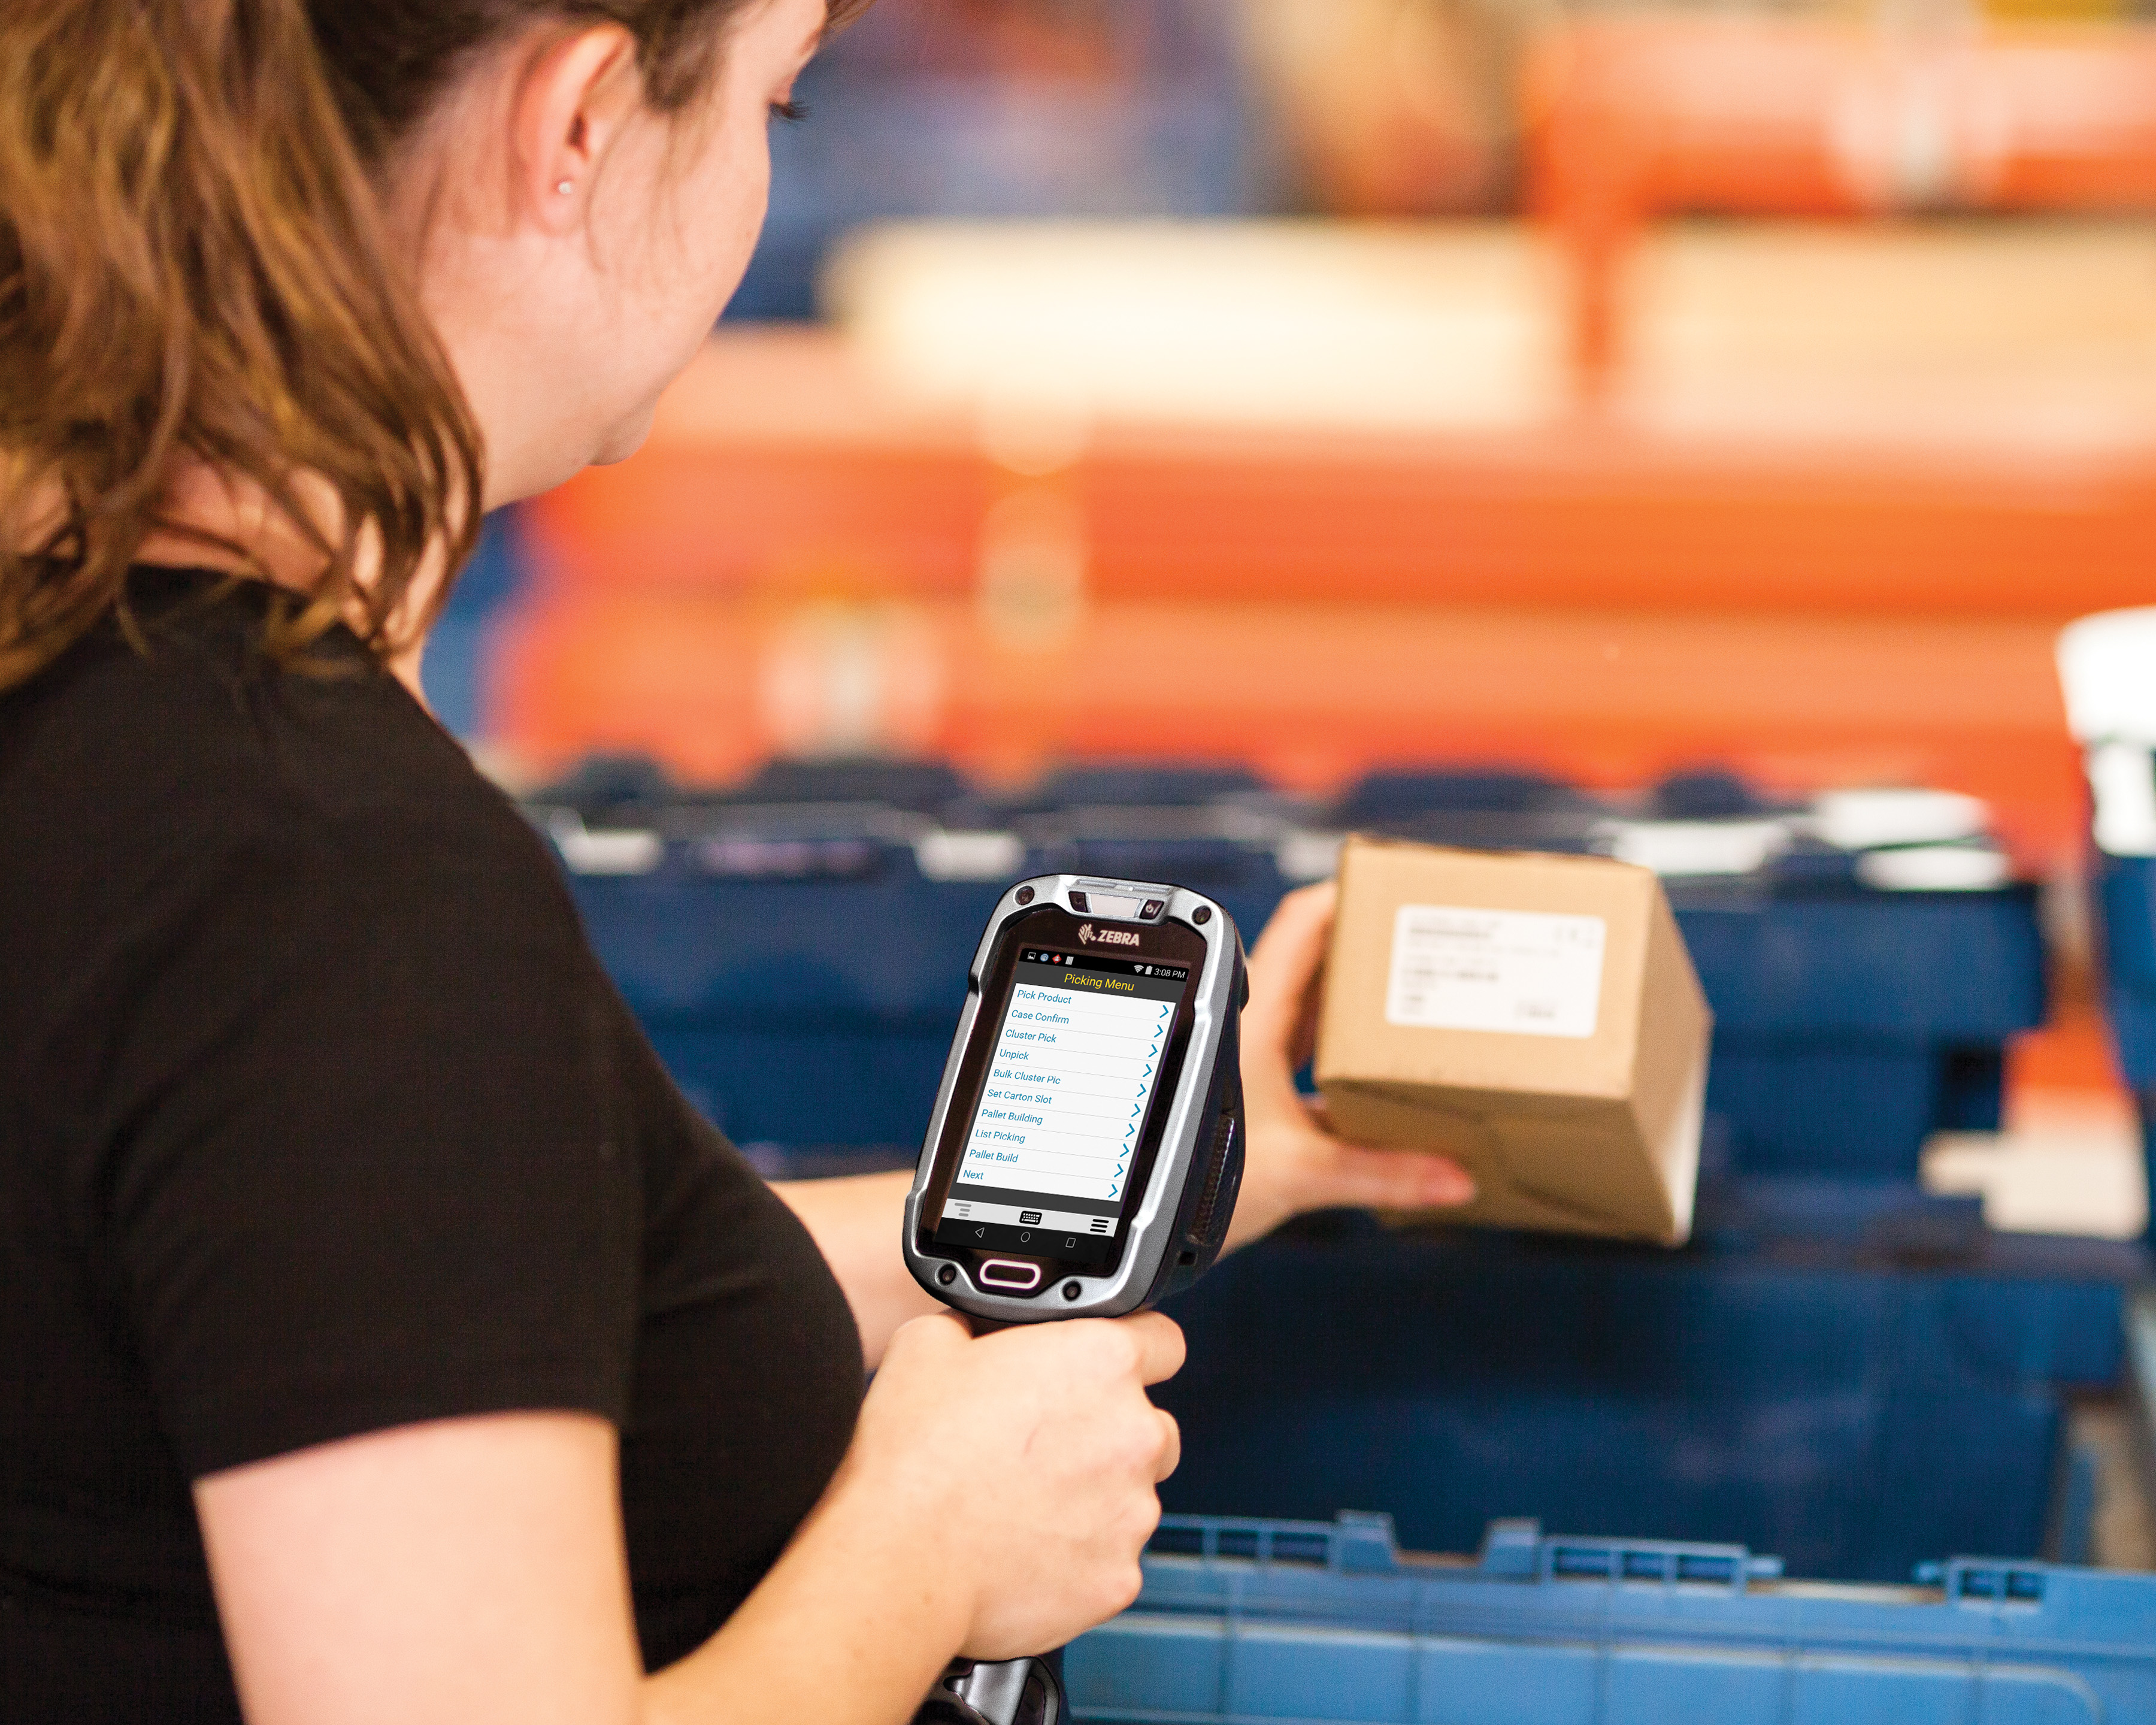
566, 188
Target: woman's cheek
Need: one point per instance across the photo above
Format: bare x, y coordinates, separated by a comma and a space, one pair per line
742, 203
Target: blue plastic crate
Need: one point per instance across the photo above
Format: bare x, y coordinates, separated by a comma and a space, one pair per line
800, 978
2125, 896
1388, 799
2126, 917
1850, 1024
1283, 1623
928, 788
1143, 784
1856, 1393
797, 950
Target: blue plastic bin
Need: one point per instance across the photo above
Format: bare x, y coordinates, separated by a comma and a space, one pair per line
1283, 1623
1856, 1396
2126, 918
928, 788
1143, 784
797, 949
800, 973
1850, 1024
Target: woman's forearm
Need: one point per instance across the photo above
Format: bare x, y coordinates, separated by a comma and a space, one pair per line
851, 1627
856, 1224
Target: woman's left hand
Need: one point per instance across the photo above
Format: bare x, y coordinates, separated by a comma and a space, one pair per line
1293, 1161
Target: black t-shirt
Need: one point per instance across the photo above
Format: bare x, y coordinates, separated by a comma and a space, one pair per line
318, 1117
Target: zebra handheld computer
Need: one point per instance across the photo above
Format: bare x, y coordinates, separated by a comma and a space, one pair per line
1086, 1148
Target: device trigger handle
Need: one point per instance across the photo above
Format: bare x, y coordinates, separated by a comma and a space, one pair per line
1019, 1692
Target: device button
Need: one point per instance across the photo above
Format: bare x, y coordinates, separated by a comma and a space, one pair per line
1153, 907
1004, 1273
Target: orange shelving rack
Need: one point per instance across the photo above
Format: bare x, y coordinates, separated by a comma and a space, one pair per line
1635, 118
805, 560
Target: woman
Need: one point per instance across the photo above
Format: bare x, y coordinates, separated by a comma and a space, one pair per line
383, 1337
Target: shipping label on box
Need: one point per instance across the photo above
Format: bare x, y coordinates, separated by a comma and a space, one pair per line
1536, 1018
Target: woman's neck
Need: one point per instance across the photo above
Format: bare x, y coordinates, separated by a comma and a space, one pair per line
217, 521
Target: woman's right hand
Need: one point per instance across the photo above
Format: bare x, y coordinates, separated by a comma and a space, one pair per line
1029, 1457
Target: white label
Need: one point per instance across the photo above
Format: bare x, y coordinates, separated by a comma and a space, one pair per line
1518, 970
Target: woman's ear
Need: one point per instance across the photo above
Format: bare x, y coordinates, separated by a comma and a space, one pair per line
568, 108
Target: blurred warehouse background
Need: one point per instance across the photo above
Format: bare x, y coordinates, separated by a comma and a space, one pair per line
1679, 417
1323, 385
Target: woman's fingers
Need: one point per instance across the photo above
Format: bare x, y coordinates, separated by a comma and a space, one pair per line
1294, 1163
934, 1331
1342, 1168
1351, 1175
1285, 967
1171, 1446
1160, 1344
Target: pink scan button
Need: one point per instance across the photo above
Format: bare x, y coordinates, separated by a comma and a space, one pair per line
1004, 1273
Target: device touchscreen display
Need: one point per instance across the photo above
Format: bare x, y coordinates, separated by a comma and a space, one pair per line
1046, 1164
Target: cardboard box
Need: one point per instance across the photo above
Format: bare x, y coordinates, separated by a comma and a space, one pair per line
1536, 1018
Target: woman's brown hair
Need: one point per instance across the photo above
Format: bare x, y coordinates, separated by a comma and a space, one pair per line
193, 269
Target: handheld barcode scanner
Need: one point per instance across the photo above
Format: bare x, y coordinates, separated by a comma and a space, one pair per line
1087, 1143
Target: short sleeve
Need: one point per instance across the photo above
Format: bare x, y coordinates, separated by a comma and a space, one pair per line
354, 1158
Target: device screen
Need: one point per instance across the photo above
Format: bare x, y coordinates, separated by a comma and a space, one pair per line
1058, 1142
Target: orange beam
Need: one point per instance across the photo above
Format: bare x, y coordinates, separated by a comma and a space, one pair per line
1586, 513
1312, 694
1636, 118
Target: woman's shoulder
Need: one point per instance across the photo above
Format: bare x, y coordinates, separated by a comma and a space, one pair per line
159, 768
